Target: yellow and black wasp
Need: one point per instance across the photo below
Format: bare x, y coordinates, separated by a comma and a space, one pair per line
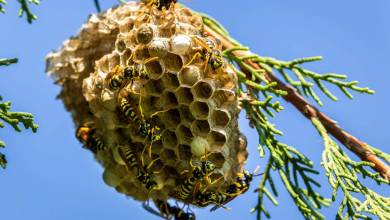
116, 78
131, 160
88, 137
186, 189
210, 53
137, 71
119, 76
135, 114
240, 186
168, 212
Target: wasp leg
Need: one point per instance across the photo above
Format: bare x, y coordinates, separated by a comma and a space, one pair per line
197, 54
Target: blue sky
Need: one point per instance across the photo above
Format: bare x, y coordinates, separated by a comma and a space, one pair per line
50, 177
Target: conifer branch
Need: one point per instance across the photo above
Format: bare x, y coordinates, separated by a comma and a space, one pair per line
343, 174
289, 164
258, 85
252, 69
7, 62
14, 119
24, 9
2, 3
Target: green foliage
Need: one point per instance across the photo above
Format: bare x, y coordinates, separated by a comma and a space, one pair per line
295, 169
24, 9
13, 118
343, 174
6, 116
7, 62
305, 87
2, 3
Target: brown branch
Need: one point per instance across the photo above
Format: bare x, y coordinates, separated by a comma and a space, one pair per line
309, 111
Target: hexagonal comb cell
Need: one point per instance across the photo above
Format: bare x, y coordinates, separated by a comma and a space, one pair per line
141, 53
170, 81
150, 104
120, 45
185, 152
184, 95
203, 90
217, 138
168, 154
154, 69
144, 34
155, 147
173, 62
157, 164
200, 127
167, 31
170, 118
223, 97
114, 60
199, 109
126, 25
189, 75
168, 100
217, 158
220, 118
185, 114
216, 176
125, 57
184, 134
172, 172
158, 47
154, 87
169, 139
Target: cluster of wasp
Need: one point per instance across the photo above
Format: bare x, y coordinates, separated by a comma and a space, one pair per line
187, 191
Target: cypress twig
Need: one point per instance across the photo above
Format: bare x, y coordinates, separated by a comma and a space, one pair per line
24, 9
352, 143
257, 87
13, 118
7, 62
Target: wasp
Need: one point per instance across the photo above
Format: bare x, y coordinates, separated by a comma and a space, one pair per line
146, 128
240, 186
199, 172
168, 212
210, 53
162, 3
137, 71
206, 198
116, 78
119, 76
130, 158
135, 114
88, 137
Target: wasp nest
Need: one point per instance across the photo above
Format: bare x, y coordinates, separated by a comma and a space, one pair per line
190, 103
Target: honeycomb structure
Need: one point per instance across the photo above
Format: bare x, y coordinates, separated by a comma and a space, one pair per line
194, 106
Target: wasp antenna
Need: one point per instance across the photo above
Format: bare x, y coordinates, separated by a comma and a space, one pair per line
256, 169
191, 164
258, 174
150, 59
158, 112
151, 163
